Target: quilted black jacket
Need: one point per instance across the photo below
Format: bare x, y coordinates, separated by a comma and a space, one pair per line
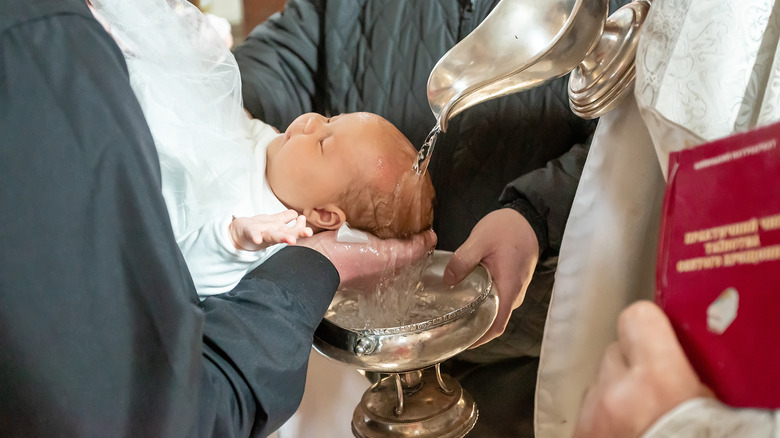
343, 56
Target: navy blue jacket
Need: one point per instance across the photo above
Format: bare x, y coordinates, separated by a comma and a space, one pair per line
101, 331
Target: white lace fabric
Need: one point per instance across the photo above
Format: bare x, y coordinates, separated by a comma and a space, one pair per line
203, 138
708, 418
709, 67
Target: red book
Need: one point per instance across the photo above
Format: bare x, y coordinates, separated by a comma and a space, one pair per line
718, 274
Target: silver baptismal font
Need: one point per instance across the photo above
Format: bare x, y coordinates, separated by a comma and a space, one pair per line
411, 397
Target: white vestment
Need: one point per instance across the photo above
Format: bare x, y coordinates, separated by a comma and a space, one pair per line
705, 69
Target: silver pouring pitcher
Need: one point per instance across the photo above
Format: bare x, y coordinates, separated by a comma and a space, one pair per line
524, 43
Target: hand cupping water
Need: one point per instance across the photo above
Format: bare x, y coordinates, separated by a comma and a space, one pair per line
362, 264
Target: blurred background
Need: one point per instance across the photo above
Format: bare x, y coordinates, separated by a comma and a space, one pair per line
243, 15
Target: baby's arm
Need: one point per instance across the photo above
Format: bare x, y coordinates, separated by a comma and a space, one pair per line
258, 232
215, 262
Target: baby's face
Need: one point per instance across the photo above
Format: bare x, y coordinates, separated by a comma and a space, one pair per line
318, 158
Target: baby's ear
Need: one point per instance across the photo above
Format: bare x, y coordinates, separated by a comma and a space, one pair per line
329, 217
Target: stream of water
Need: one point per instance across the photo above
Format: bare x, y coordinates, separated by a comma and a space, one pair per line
396, 298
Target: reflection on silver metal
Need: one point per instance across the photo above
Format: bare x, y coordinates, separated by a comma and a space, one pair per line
364, 346
390, 410
521, 44
414, 399
399, 389
524, 43
440, 380
607, 72
465, 312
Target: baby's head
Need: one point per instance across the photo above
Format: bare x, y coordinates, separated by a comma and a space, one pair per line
353, 167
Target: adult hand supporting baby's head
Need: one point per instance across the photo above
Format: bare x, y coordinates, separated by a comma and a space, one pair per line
363, 263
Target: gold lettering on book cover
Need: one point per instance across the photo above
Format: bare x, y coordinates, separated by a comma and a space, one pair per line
731, 245
731, 230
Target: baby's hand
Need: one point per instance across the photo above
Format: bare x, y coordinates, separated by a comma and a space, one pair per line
264, 230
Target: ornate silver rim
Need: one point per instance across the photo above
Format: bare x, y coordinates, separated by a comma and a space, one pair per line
431, 323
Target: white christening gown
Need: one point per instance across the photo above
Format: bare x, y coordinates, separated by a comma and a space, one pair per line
212, 156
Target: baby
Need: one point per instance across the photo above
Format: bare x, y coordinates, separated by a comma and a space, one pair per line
236, 188
355, 168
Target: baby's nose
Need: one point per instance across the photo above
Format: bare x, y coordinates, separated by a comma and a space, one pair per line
312, 125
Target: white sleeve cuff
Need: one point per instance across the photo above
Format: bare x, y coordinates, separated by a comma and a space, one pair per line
709, 418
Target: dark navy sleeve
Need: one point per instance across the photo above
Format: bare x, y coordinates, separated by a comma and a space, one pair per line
261, 341
101, 333
545, 196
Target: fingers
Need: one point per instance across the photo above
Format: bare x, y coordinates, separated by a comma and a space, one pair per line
284, 233
502, 318
300, 227
463, 261
404, 251
498, 327
614, 365
290, 234
287, 216
429, 239
609, 405
422, 243
645, 334
258, 232
588, 422
271, 236
641, 376
649, 343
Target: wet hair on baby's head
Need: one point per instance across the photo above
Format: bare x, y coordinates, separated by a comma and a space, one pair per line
398, 203
400, 213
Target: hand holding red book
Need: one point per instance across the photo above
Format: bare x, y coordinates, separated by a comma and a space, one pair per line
718, 273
